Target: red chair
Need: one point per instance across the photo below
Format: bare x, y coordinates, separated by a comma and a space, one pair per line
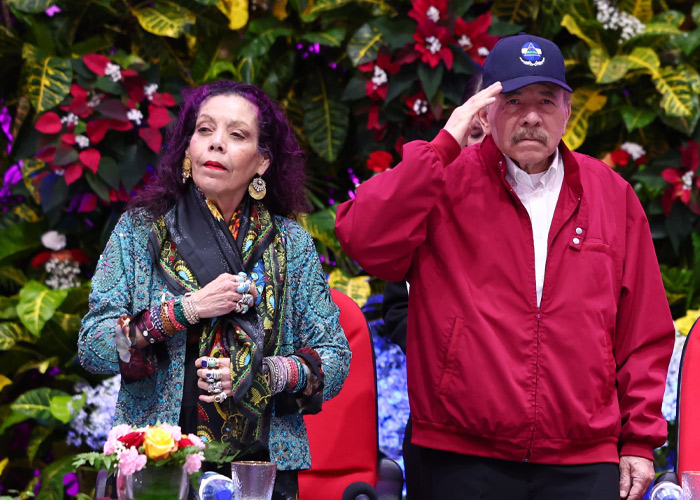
343, 437
687, 408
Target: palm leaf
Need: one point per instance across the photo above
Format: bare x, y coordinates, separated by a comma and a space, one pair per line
515, 11
326, 117
584, 102
37, 304
48, 79
165, 18
11, 333
357, 288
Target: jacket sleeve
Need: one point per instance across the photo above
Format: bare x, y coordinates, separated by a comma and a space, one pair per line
395, 312
110, 296
315, 317
404, 196
644, 340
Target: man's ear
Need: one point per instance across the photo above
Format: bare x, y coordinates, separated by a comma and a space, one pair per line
484, 120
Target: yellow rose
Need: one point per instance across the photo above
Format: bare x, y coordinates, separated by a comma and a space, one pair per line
158, 443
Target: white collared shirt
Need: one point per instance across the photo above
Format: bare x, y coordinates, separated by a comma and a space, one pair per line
539, 194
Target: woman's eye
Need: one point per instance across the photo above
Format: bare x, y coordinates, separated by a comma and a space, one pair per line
202, 129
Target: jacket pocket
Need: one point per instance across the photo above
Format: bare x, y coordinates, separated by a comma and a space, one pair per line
451, 358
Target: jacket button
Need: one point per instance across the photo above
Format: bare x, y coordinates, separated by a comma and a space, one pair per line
576, 241
579, 230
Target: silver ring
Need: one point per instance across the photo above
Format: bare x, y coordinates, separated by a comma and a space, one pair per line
220, 398
212, 376
214, 387
211, 363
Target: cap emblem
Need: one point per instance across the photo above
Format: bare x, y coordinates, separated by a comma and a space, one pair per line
531, 54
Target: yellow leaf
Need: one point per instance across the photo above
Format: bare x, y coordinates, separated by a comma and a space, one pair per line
685, 323
279, 9
3, 464
236, 11
4, 381
357, 288
572, 26
584, 102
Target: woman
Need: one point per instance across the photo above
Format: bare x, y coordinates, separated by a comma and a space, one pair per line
209, 301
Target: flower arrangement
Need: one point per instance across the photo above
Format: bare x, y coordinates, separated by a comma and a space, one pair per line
130, 449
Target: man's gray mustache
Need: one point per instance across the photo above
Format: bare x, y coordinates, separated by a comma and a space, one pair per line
531, 135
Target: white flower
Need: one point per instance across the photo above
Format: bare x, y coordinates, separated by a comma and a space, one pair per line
613, 19
420, 107
53, 240
135, 116
379, 77
434, 45
633, 149
465, 42
433, 14
113, 71
94, 100
149, 90
82, 141
62, 274
483, 51
688, 180
70, 119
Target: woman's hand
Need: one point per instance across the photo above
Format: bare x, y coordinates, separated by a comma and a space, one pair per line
211, 377
223, 295
460, 122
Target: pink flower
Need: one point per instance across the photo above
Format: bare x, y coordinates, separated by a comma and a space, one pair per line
196, 441
174, 431
193, 462
130, 461
115, 433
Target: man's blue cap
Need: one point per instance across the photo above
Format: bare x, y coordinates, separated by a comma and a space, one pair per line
520, 60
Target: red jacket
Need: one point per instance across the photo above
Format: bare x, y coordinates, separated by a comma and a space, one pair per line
579, 379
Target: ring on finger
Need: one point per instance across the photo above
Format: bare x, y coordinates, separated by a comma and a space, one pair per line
220, 398
214, 387
212, 376
210, 363
243, 287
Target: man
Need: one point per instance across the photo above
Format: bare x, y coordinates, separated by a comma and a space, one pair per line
539, 333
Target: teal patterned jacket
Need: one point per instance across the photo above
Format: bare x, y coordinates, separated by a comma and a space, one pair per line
125, 281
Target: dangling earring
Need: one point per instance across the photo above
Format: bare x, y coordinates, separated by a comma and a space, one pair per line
257, 188
186, 169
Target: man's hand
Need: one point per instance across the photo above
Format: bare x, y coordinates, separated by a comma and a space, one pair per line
640, 471
459, 123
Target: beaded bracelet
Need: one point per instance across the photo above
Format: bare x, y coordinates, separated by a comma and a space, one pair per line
179, 313
168, 327
172, 317
293, 374
191, 313
301, 375
159, 332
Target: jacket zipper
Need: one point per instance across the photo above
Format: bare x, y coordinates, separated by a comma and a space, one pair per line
528, 452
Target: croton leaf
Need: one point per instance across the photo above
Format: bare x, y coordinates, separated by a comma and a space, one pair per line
357, 288
52, 487
321, 226
584, 102
11, 333
574, 28
4, 382
236, 11
31, 6
36, 404
38, 436
315, 8
326, 117
364, 45
641, 9
164, 18
48, 80
333, 37
37, 304
65, 407
644, 58
261, 34
515, 11
606, 69
637, 117
676, 92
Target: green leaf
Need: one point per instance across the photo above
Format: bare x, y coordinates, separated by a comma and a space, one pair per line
430, 78
8, 307
637, 117
515, 11
326, 117
584, 102
165, 18
677, 96
321, 227
36, 404
18, 238
261, 34
669, 16
98, 186
365, 44
315, 8
399, 83
658, 29
641, 9
644, 58
48, 80
333, 37
395, 33
52, 479
4, 382
11, 277
109, 172
501, 28
12, 419
356, 288
688, 41
605, 69
37, 304
38, 436
355, 89
64, 408
11, 333
31, 6
67, 322
573, 27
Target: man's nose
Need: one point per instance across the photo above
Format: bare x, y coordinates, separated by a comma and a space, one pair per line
531, 117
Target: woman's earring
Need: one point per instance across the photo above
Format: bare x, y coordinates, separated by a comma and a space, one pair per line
186, 169
257, 188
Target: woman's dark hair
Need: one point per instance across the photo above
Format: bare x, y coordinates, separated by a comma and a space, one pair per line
474, 85
285, 178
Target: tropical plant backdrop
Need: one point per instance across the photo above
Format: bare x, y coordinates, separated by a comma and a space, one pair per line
88, 86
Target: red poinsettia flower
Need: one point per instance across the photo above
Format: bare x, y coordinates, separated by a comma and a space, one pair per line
620, 157
432, 42
373, 118
428, 11
378, 84
419, 106
379, 161
474, 38
682, 179
97, 63
49, 123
